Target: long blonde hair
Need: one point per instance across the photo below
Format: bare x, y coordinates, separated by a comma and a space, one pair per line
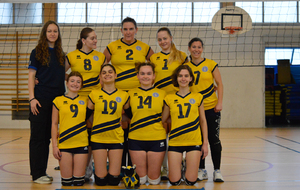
175, 54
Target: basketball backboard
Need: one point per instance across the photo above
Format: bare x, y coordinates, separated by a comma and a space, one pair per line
231, 17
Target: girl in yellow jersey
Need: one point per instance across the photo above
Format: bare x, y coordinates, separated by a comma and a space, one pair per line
206, 73
166, 62
188, 131
107, 134
147, 136
123, 54
86, 60
70, 147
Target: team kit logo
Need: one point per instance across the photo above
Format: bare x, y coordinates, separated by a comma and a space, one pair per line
96, 58
205, 69
192, 101
155, 94
139, 48
118, 99
81, 102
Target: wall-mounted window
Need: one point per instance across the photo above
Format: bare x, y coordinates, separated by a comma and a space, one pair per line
280, 11
254, 9
175, 12
144, 12
28, 13
104, 13
7, 13
273, 54
71, 13
204, 12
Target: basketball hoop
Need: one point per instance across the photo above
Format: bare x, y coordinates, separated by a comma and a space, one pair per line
233, 29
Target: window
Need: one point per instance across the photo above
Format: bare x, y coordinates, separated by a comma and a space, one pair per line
104, 13
254, 9
204, 12
175, 12
7, 13
71, 13
280, 11
28, 13
141, 12
273, 54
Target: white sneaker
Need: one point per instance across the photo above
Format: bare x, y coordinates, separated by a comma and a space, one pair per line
218, 176
50, 177
202, 174
43, 180
164, 173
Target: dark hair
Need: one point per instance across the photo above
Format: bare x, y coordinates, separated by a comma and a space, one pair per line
42, 49
175, 54
83, 34
196, 39
129, 19
138, 66
77, 74
110, 65
177, 71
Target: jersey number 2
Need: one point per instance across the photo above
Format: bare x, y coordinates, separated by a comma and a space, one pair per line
130, 52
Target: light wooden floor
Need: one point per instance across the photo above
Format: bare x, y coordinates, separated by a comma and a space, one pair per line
253, 159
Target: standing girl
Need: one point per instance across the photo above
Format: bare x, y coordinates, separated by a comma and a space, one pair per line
206, 73
166, 62
71, 146
107, 134
188, 123
147, 136
47, 65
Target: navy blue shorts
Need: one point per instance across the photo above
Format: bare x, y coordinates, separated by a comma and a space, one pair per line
79, 150
182, 149
97, 146
154, 146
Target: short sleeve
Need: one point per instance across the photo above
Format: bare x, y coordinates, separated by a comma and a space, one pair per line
33, 63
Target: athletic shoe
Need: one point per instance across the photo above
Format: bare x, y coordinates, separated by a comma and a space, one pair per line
202, 174
218, 176
50, 177
43, 180
164, 174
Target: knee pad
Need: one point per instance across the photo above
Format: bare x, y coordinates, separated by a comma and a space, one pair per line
143, 180
67, 181
154, 181
101, 181
187, 182
78, 181
176, 183
113, 180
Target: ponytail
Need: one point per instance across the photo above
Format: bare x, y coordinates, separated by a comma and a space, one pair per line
175, 54
79, 44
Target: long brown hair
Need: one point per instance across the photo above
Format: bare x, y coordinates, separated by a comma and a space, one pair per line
175, 54
42, 49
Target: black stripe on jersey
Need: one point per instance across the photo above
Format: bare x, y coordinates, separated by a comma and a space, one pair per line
196, 127
164, 85
208, 95
72, 129
91, 84
207, 90
185, 126
214, 68
106, 129
73, 134
108, 50
148, 121
103, 126
148, 52
162, 81
91, 80
126, 74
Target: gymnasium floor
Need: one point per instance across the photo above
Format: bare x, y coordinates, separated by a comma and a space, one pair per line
253, 159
